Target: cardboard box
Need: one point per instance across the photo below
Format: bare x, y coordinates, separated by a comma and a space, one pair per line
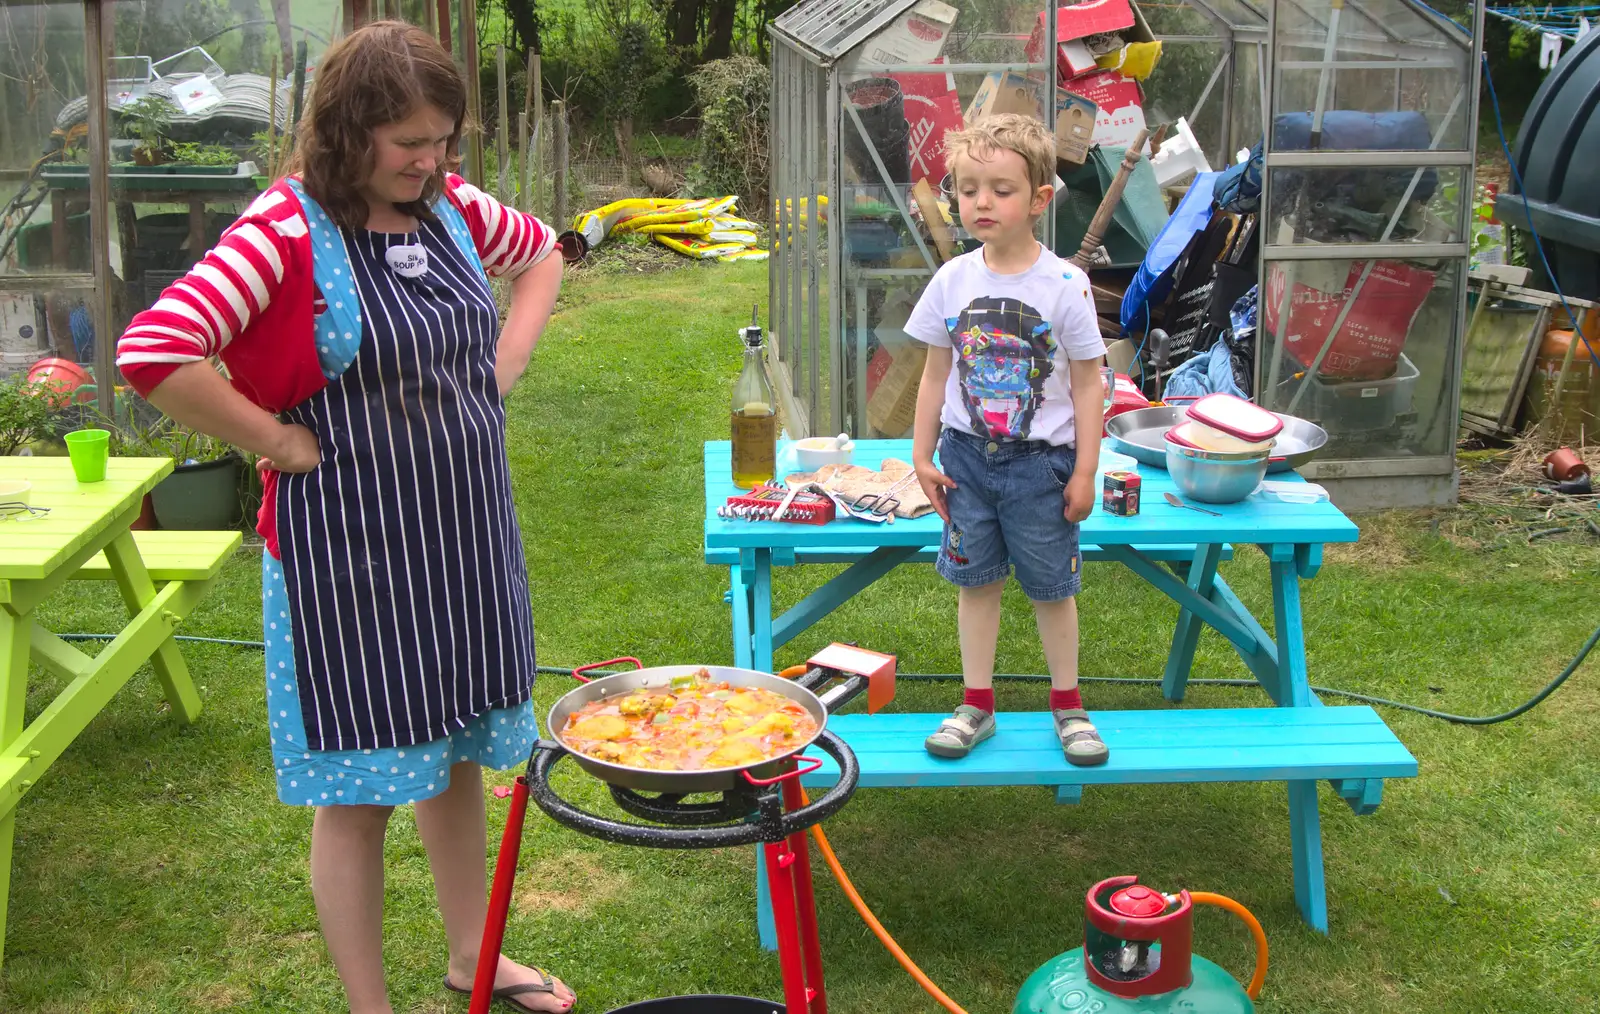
1076, 21
19, 323
917, 36
1119, 104
933, 109
1075, 125
892, 407
1013, 92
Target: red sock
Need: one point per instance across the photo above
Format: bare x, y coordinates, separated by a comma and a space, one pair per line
1065, 700
980, 699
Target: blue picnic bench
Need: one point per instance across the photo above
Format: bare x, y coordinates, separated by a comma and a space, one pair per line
1299, 742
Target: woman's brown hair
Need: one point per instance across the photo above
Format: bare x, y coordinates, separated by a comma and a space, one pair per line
380, 73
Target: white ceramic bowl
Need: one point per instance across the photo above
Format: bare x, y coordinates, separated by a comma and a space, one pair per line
14, 491
814, 452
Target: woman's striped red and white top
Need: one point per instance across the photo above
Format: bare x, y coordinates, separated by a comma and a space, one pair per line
233, 286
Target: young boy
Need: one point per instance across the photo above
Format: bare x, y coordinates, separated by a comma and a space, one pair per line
1011, 395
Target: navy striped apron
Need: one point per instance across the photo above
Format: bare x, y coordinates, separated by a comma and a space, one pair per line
401, 552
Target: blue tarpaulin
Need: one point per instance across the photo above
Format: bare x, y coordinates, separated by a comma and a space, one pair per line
1153, 280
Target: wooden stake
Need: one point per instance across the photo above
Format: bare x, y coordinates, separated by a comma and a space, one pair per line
922, 193
271, 168
558, 117
469, 59
503, 134
540, 134
1108, 204
529, 85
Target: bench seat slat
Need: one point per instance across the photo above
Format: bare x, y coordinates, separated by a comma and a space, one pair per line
850, 554
172, 556
1191, 745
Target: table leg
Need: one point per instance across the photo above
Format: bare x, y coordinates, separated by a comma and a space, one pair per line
197, 230
760, 578
1186, 637
16, 633
1305, 834
766, 927
739, 598
1305, 823
136, 588
1293, 682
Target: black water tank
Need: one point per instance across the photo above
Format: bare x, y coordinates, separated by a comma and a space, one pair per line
1558, 155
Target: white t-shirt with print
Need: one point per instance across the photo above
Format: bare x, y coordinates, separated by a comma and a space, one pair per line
1013, 336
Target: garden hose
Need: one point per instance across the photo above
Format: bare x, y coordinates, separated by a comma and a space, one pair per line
1504, 716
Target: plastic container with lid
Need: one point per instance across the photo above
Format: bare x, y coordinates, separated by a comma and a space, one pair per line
1209, 438
1235, 417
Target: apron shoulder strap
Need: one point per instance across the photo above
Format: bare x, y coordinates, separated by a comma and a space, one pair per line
455, 223
338, 328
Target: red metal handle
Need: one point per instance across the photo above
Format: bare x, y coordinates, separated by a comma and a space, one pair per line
601, 665
798, 770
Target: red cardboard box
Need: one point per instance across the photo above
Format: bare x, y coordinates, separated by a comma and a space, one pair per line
1078, 20
1119, 102
932, 110
1373, 334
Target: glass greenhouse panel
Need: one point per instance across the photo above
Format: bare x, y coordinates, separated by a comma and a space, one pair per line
1367, 350
1367, 205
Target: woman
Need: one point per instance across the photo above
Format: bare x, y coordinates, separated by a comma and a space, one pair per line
351, 306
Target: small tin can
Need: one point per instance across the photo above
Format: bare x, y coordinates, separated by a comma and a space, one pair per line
1120, 494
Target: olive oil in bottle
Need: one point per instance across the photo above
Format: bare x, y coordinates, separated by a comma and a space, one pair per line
755, 415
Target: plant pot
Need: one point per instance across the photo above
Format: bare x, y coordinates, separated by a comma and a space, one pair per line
880, 104
200, 497
147, 516
146, 157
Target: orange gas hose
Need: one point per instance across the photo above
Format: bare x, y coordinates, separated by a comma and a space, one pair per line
872, 921
793, 671
1223, 901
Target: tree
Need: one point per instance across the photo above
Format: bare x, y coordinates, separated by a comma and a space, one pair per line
719, 29
525, 20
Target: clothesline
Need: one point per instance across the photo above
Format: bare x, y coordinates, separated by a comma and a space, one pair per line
1563, 21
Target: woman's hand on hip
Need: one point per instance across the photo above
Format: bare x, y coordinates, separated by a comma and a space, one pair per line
297, 451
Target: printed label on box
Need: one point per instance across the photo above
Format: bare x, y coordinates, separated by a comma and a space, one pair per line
1374, 332
933, 109
918, 36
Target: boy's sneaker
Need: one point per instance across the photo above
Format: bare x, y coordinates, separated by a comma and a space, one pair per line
962, 731
1079, 739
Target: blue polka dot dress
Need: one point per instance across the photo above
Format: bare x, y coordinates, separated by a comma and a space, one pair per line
397, 615
501, 738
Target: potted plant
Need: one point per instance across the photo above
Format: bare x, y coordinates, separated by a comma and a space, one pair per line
146, 120
203, 492
208, 159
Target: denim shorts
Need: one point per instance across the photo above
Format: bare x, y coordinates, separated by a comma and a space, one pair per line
1006, 511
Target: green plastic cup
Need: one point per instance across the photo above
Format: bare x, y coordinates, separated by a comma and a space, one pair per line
89, 450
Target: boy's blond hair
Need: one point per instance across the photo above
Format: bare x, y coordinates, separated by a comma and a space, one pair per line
1024, 135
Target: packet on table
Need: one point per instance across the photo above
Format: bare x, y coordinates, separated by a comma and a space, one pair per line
1291, 492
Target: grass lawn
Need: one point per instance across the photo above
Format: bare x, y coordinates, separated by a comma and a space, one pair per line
155, 870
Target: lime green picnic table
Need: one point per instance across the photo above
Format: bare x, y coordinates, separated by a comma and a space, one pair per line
87, 535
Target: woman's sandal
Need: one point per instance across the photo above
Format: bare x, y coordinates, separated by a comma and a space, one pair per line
1079, 739
547, 984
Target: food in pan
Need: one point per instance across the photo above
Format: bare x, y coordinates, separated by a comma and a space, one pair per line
693, 724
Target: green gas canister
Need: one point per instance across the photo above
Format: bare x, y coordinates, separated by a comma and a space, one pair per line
1136, 958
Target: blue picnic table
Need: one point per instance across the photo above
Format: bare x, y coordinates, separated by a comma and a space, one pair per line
1175, 550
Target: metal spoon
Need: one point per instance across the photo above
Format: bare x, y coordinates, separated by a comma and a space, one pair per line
1172, 498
